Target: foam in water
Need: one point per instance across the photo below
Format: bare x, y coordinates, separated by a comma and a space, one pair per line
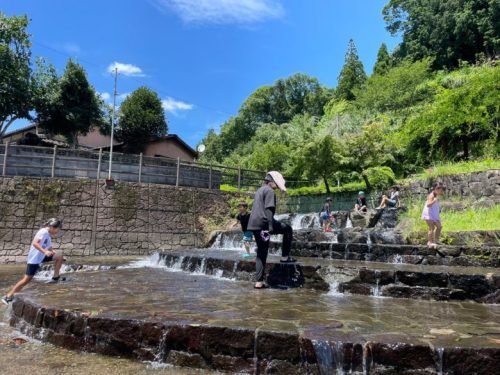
398, 259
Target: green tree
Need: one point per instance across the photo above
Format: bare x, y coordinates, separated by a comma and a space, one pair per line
352, 76
277, 104
464, 114
399, 89
15, 71
449, 31
322, 158
74, 108
368, 149
383, 63
141, 118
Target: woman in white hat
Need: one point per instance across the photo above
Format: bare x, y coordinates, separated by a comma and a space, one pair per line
263, 224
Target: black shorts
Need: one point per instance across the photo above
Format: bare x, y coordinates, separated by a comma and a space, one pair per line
31, 269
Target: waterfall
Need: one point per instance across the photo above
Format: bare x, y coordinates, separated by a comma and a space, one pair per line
440, 352
162, 347
376, 289
398, 259
367, 351
330, 357
324, 357
348, 223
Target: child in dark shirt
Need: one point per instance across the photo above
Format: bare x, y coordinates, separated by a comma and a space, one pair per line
361, 202
243, 218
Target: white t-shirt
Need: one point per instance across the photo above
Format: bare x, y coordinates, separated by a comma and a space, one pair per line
44, 239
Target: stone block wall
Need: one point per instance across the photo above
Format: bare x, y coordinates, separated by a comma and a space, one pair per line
130, 219
477, 185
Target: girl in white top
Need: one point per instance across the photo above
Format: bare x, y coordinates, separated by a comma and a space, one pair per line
40, 252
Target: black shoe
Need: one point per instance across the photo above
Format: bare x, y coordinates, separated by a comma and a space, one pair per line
288, 260
55, 280
7, 300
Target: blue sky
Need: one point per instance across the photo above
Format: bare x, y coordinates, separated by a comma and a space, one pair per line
203, 57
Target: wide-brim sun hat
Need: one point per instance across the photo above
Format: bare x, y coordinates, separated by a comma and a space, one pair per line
277, 179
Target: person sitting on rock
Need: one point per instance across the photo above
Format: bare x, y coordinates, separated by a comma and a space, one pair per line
361, 205
40, 252
393, 201
263, 224
325, 216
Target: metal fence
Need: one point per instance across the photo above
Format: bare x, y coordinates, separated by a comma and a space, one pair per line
343, 201
55, 162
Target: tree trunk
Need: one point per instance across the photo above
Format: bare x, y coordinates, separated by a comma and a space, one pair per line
327, 186
367, 183
465, 144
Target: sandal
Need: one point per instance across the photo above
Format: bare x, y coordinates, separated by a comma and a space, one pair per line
264, 286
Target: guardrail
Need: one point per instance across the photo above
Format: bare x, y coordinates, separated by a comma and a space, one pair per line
35, 161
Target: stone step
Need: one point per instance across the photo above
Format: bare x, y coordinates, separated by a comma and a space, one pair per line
389, 280
342, 276
251, 345
481, 256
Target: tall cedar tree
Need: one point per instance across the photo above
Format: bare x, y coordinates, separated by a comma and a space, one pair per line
352, 75
449, 31
74, 109
383, 63
141, 119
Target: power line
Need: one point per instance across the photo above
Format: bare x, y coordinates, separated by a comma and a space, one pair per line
143, 83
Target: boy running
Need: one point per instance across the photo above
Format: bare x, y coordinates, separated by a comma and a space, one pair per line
243, 218
40, 252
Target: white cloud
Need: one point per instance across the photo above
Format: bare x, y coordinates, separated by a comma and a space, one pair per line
173, 106
126, 69
105, 96
123, 96
223, 11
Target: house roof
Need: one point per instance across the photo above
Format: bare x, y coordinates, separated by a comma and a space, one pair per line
178, 139
173, 137
20, 130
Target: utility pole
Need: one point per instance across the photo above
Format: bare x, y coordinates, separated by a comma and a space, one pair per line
112, 127
338, 138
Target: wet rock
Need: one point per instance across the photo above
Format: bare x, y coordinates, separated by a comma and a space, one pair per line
233, 364
182, 359
419, 292
476, 286
275, 345
280, 367
453, 251
430, 279
361, 219
208, 341
391, 236
387, 218
356, 287
286, 276
402, 356
375, 276
352, 235
481, 361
